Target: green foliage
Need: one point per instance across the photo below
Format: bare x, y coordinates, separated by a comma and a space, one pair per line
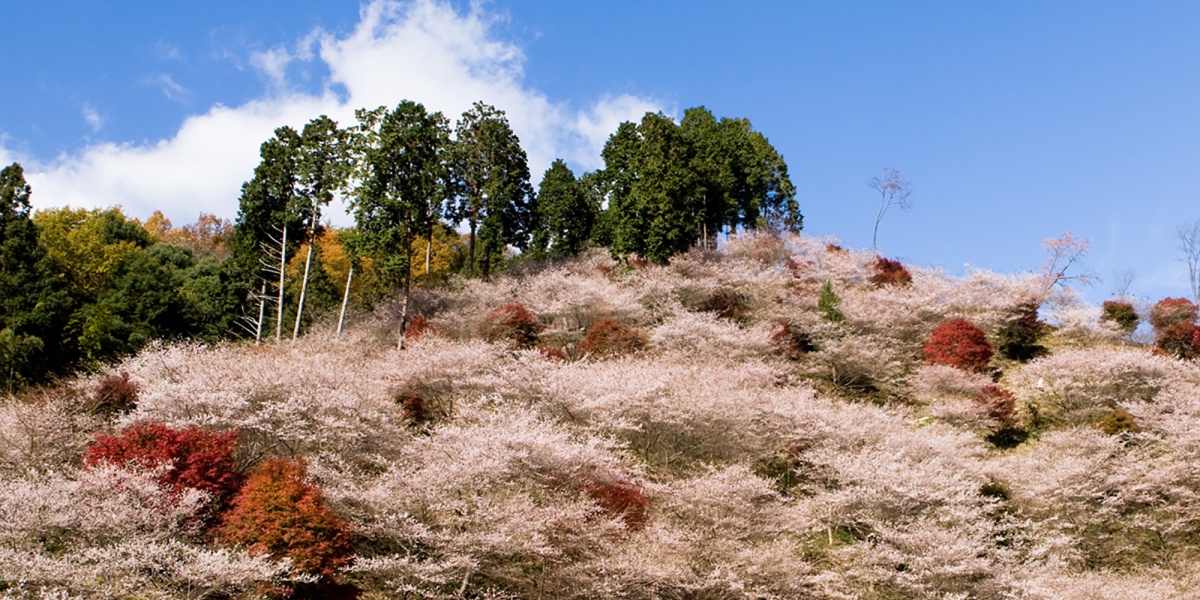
491, 190
89, 246
403, 182
670, 186
827, 304
563, 212
1121, 314
1018, 338
33, 302
654, 196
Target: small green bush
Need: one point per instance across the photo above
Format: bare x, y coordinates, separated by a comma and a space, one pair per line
1121, 314
1018, 338
827, 304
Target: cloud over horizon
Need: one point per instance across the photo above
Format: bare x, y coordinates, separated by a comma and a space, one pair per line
422, 50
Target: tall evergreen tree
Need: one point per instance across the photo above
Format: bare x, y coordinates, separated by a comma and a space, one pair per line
322, 165
492, 194
402, 179
564, 213
669, 186
271, 221
33, 303
654, 195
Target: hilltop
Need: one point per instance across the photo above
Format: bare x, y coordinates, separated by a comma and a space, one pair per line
765, 421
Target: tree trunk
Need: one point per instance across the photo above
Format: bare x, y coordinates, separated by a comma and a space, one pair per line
471, 250
428, 255
282, 270
262, 313
304, 285
404, 304
345, 299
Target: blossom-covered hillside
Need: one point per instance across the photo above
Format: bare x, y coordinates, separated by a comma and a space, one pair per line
781, 419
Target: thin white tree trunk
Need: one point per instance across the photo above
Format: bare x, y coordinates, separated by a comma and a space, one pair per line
428, 255
345, 300
304, 287
262, 312
282, 270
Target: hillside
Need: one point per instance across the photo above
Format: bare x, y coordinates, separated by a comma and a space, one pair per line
759, 422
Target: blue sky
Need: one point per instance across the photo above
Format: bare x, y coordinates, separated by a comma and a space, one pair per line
1014, 121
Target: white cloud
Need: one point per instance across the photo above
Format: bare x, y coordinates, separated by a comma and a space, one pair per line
93, 118
422, 50
170, 89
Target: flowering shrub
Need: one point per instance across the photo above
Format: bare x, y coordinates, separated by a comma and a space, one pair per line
607, 337
280, 513
512, 322
1172, 311
1121, 314
1078, 386
195, 458
959, 344
115, 393
885, 271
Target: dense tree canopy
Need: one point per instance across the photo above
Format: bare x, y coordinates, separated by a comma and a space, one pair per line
430, 199
402, 178
670, 186
564, 213
491, 190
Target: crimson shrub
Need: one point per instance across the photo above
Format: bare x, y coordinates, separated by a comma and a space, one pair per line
1181, 340
998, 403
1172, 311
608, 337
115, 394
792, 341
197, 458
512, 322
621, 499
959, 344
885, 271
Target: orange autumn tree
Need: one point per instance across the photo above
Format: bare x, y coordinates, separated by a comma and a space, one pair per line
281, 513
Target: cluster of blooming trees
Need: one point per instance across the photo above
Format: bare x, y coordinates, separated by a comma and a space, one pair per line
783, 419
